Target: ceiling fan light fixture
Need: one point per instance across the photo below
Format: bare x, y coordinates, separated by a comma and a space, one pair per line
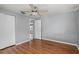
34, 13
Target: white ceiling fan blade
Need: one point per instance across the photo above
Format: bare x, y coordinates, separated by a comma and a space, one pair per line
31, 5
43, 10
24, 12
43, 13
34, 8
75, 9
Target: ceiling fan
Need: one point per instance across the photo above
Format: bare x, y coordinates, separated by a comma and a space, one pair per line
34, 11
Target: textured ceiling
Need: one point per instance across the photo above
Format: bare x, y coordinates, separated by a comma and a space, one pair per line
52, 8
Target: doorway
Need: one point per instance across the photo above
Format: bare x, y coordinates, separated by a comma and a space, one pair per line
35, 33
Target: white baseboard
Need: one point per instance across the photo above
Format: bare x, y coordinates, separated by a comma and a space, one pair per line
61, 42
22, 42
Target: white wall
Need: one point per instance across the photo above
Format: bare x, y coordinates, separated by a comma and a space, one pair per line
61, 27
22, 29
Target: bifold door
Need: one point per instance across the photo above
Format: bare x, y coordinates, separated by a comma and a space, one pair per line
7, 30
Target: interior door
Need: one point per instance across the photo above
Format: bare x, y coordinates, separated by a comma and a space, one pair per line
7, 30
37, 29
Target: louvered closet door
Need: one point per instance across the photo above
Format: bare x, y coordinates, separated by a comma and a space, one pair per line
7, 30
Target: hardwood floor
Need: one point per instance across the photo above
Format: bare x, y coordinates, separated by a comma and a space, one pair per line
41, 47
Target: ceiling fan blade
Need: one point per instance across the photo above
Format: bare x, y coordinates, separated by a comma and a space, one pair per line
43, 13
31, 5
24, 12
43, 10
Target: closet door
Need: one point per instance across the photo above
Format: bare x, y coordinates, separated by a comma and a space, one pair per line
37, 29
7, 30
